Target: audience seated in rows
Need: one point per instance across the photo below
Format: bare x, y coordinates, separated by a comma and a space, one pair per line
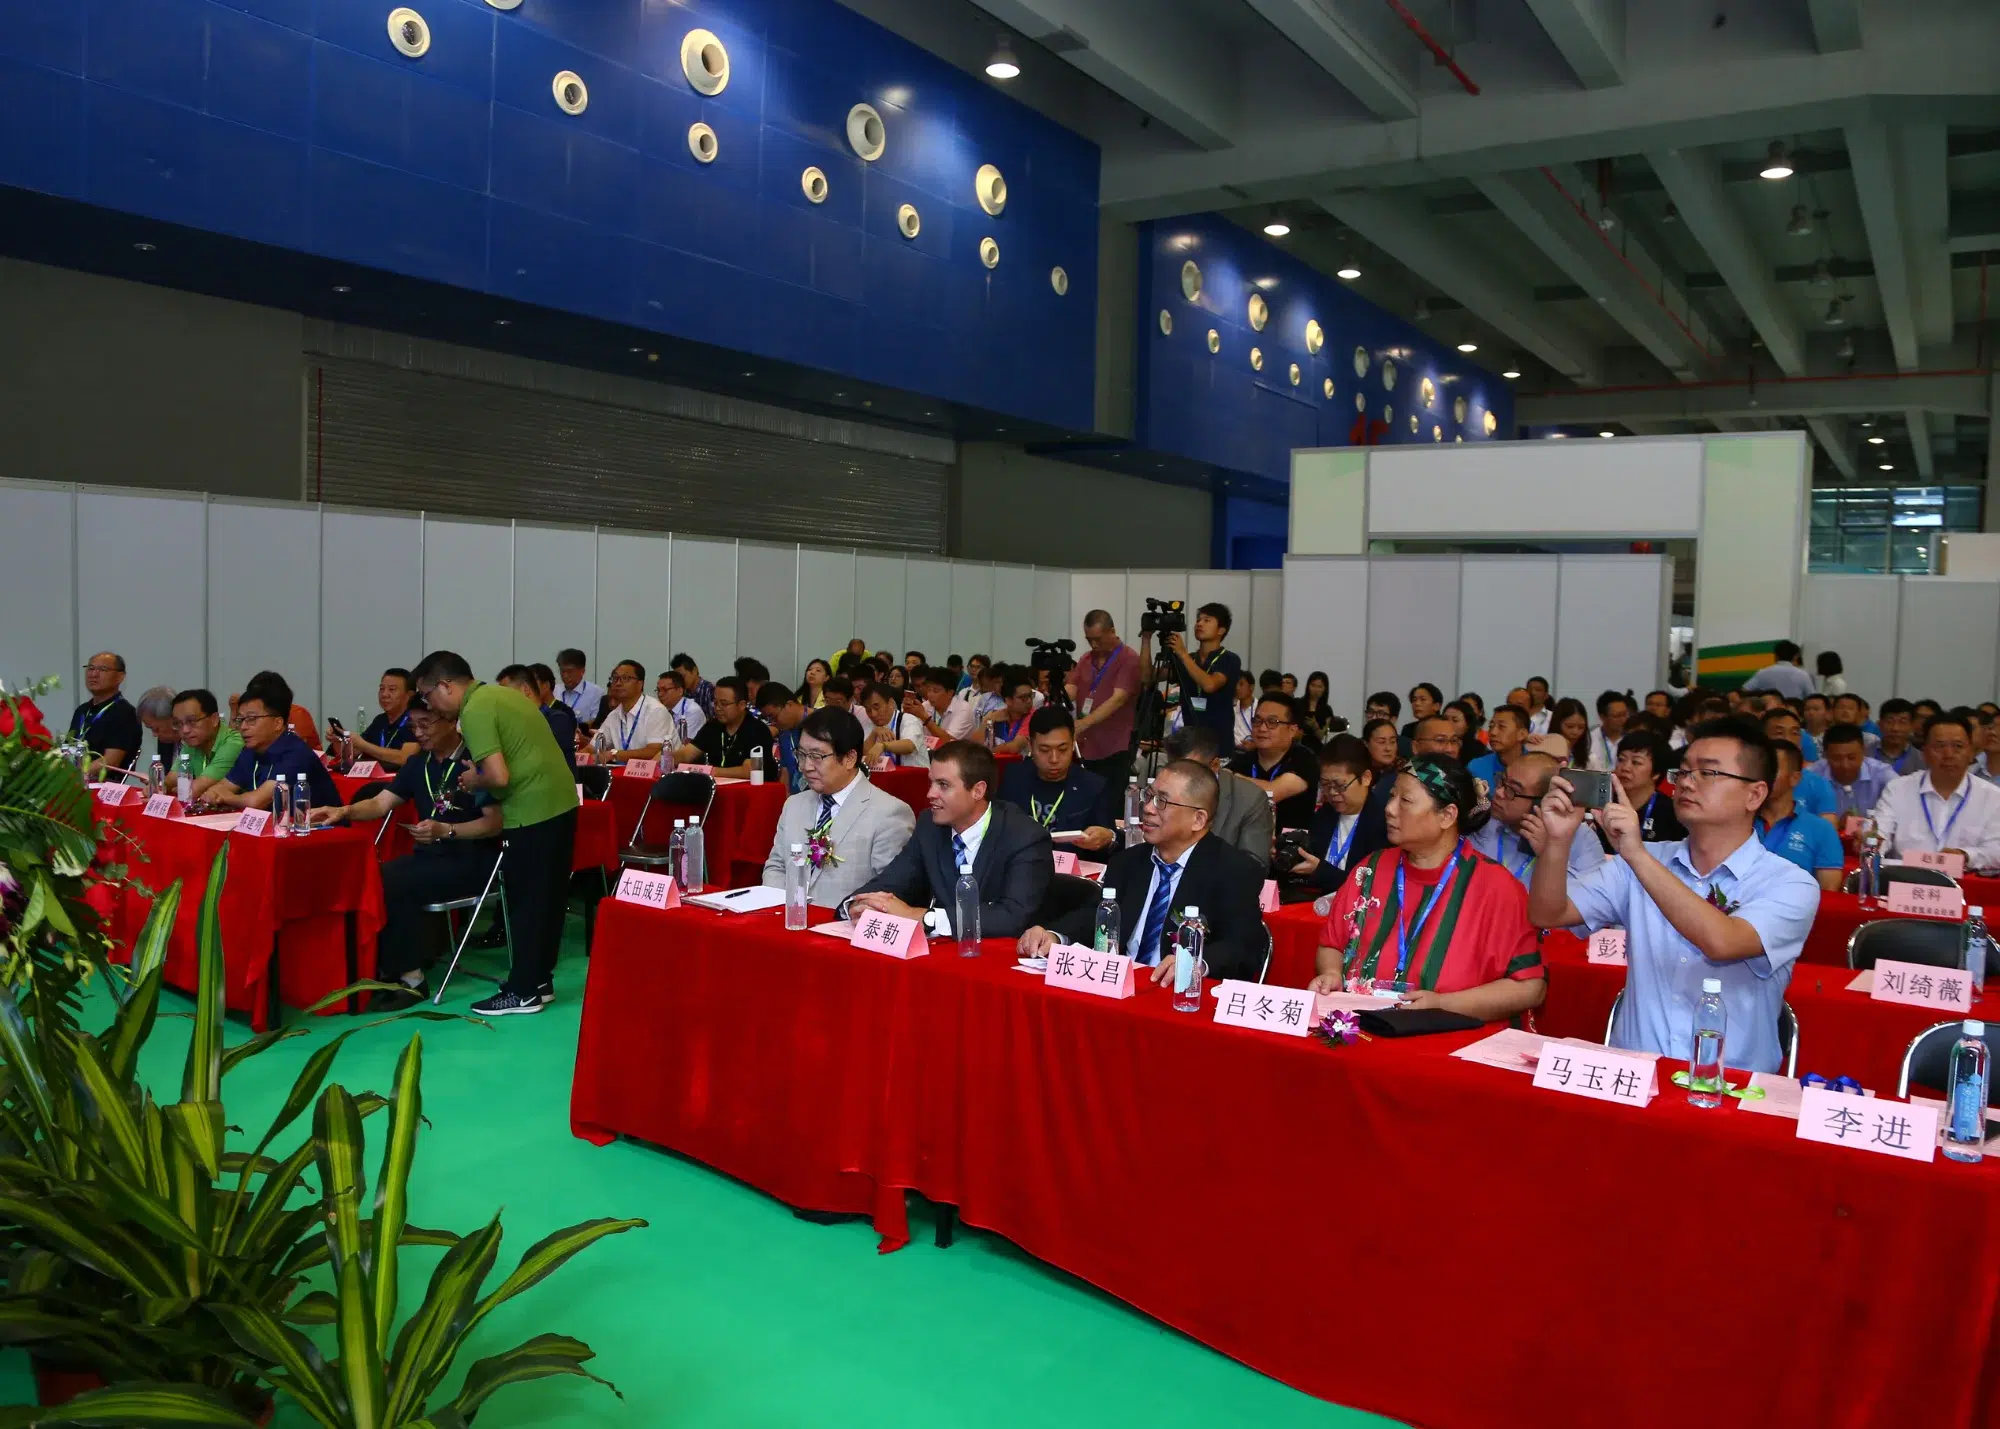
271, 751
1942, 807
1287, 771
1243, 818
1513, 837
633, 724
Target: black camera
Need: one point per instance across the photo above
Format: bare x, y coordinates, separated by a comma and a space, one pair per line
1051, 655
1164, 617
1291, 848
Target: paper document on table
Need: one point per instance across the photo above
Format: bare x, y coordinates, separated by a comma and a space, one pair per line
1864, 981
225, 820
841, 928
1992, 1146
1510, 1049
1782, 1095
1066, 836
741, 900
729, 779
1325, 1002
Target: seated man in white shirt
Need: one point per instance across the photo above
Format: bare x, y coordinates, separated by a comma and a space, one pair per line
635, 725
1613, 710
683, 713
945, 710
1942, 807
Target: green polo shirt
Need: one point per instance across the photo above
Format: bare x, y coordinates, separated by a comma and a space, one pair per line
539, 784
216, 764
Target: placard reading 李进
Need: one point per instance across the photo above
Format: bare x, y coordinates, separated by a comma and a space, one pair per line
1868, 1124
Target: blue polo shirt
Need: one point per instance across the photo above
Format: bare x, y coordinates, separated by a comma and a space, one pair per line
1815, 794
1804, 839
290, 756
1487, 767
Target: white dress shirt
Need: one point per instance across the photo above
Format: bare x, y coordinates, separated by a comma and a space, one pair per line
687, 718
1912, 815
908, 727
959, 719
645, 723
1603, 752
1538, 721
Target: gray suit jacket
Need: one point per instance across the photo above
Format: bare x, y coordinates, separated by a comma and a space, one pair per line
868, 832
1244, 817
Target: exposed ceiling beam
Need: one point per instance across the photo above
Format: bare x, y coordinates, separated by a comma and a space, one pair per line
1836, 24
1965, 394
1542, 204
1975, 223
1899, 177
1387, 89
1832, 435
1694, 180
1935, 66
1159, 58
1590, 35
1399, 225
1921, 449
1992, 521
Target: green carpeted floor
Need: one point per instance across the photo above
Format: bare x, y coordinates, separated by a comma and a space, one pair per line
727, 1311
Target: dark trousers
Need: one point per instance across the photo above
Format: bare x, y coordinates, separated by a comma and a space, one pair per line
537, 877
408, 940
1116, 772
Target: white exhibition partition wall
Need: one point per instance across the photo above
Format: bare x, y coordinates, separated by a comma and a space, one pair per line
1859, 618
1412, 623
1546, 490
1267, 622
193, 591
1325, 626
1949, 634
1611, 625
1506, 624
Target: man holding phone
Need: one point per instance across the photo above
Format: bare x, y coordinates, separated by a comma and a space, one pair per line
1715, 905
1515, 836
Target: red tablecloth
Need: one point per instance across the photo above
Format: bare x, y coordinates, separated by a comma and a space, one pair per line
315, 903
1381, 1225
737, 833
597, 840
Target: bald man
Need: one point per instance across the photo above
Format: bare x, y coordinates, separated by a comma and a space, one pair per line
1513, 836
106, 722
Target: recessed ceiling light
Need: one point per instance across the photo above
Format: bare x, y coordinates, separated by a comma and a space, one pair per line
1876, 441
1468, 346
1557, 436
1002, 64
749, 374
342, 288
1347, 271
142, 247
503, 322
1776, 163
1511, 373
1887, 466
1277, 228
634, 351
1607, 434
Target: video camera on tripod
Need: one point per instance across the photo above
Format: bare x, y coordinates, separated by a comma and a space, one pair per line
1051, 655
1164, 617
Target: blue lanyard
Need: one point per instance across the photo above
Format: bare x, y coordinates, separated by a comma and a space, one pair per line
1102, 670
629, 726
1336, 853
1276, 770
1404, 928
80, 725
1936, 837
389, 735
1646, 814
1012, 730
1529, 853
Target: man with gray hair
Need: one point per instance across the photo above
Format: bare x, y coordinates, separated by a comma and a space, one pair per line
1244, 817
156, 712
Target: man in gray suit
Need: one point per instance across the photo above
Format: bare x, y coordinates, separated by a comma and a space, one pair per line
1243, 813
864, 827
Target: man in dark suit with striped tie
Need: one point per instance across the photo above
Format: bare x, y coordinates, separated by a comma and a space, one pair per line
1178, 865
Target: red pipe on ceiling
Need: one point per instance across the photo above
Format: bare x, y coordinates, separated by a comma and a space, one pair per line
1438, 51
1602, 237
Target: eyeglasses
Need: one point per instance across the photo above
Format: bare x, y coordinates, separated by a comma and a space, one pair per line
1259, 722
244, 721
102, 670
813, 756
1336, 787
1695, 777
195, 723
1161, 801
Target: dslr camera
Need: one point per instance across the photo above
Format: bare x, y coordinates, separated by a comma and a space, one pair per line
1051, 655
1164, 617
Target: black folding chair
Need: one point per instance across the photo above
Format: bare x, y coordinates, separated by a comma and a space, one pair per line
451, 906
680, 789
1927, 1060
1788, 1031
1067, 893
1903, 873
369, 791
596, 781
1933, 942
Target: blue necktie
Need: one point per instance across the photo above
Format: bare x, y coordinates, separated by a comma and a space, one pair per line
957, 852
1156, 911
825, 811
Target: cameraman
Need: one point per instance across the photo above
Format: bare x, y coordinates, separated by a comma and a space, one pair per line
1104, 686
1207, 675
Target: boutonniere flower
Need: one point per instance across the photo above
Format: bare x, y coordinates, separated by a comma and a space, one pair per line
819, 850
1339, 1029
1722, 900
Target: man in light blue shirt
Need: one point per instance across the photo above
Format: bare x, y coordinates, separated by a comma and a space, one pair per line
1857, 780
1514, 837
1718, 905
580, 696
1815, 794
1785, 675
1792, 833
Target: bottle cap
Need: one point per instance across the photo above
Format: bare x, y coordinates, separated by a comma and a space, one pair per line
1190, 911
1974, 1027
1108, 894
798, 848
680, 823
965, 870
1972, 912
1711, 984
694, 821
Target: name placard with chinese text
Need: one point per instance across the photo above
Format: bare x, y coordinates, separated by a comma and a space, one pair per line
1928, 900
1951, 864
366, 769
886, 933
1268, 900
1065, 861
252, 821
1082, 969
641, 769
1092, 871
1606, 945
160, 806
111, 794
1287, 1010
648, 890
1868, 1124
1602, 1073
1915, 985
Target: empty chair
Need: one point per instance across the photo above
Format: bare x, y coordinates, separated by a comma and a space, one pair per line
1933, 942
1788, 1032
694, 791
1903, 873
1927, 1060
1067, 893
595, 781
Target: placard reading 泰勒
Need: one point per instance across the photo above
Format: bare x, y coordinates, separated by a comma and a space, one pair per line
641, 769
1287, 1010
1267, 898
1601, 1073
253, 821
1065, 861
1928, 900
885, 933
366, 769
648, 890
1607, 946
1083, 969
1868, 1124
1916, 985
160, 806
1949, 862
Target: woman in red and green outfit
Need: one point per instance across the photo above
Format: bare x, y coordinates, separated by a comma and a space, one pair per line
1446, 926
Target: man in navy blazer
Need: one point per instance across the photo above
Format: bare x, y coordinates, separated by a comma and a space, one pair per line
1178, 864
1010, 854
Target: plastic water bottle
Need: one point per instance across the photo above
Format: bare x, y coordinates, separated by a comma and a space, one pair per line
1105, 939
757, 766
965, 912
1978, 948
1969, 1081
1190, 967
156, 777
795, 890
1132, 801
1705, 1083
281, 807
677, 853
301, 804
691, 857
1869, 881
184, 789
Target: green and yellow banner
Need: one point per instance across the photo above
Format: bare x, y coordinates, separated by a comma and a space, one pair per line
1724, 667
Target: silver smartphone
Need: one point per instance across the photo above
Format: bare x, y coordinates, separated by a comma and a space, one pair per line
1589, 788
